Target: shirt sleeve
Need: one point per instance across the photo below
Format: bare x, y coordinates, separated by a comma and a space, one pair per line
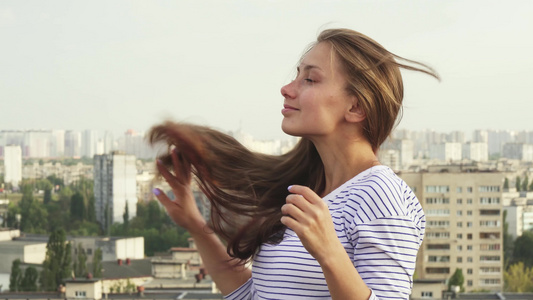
385, 252
244, 292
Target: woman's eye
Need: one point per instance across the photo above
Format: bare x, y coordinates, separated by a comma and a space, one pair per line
309, 80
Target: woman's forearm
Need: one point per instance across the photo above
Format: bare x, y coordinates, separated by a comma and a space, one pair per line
224, 271
344, 282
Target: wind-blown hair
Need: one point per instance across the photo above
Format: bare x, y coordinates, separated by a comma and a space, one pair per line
247, 189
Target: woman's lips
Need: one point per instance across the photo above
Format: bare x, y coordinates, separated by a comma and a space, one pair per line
287, 109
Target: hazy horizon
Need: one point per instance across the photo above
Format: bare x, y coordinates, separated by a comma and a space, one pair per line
119, 65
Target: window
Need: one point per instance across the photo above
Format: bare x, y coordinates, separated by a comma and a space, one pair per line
469, 271
490, 270
459, 201
459, 235
469, 236
469, 259
490, 281
489, 247
489, 212
470, 283
80, 294
437, 189
437, 212
89, 251
469, 247
489, 235
459, 247
459, 189
468, 212
438, 270
438, 235
459, 224
438, 247
489, 200
459, 259
459, 213
489, 258
437, 200
434, 258
468, 224
437, 224
427, 295
469, 189
489, 188
469, 201
489, 223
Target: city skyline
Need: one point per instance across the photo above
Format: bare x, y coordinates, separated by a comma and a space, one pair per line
128, 65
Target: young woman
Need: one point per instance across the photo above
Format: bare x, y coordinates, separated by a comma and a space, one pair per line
324, 221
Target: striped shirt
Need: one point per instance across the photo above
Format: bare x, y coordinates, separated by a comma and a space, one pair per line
380, 223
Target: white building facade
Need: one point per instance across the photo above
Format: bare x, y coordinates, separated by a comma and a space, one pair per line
476, 151
114, 185
446, 151
13, 165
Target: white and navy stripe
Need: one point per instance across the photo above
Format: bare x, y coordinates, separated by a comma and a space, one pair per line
380, 223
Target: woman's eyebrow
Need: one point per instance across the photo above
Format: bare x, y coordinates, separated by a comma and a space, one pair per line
308, 67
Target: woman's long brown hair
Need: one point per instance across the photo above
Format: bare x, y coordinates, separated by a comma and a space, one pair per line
247, 189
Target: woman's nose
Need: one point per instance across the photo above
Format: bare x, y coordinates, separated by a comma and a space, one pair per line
288, 90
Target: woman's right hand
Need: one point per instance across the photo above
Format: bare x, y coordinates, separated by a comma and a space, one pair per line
183, 211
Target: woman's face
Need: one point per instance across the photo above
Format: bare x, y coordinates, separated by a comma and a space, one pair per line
316, 101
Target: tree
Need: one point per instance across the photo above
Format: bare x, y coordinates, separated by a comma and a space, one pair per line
56, 265
77, 207
29, 281
518, 278
457, 279
508, 244
91, 212
47, 196
80, 263
15, 279
524, 184
55, 181
517, 183
523, 249
97, 263
25, 204
126, 218
506, 184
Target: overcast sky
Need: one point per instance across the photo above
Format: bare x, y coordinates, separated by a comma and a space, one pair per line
122, 65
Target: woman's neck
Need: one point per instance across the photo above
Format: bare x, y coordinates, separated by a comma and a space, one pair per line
343, 160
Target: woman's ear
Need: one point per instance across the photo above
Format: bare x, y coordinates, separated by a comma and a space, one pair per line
355, 113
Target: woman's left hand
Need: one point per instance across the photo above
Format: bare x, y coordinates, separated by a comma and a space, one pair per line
308, 216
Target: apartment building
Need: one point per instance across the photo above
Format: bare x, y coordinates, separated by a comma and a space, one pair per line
464, 227
114, 186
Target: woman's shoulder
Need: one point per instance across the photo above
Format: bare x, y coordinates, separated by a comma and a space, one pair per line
375, 193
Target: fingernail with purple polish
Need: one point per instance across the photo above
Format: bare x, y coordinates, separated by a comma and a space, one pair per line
289, 188
156, 192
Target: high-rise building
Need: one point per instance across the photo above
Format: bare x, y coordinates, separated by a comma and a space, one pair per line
480, 136
72, 143
13, 165
476, 151
88, 143
37, 143
446, 151
518, 151
464, 227
114, 186
11, 137
57, 143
